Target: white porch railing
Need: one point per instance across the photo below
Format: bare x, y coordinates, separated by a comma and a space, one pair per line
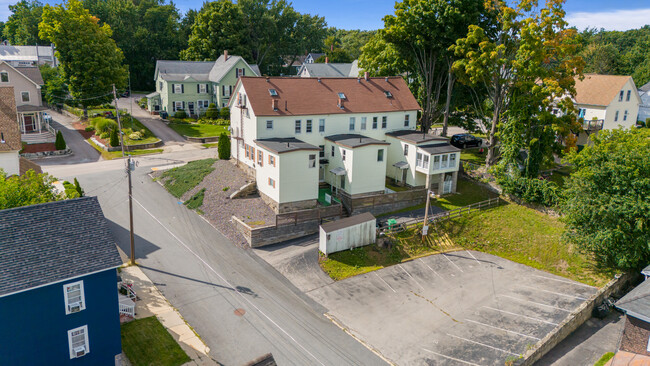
127, 309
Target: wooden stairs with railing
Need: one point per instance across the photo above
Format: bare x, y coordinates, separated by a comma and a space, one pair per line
38, 138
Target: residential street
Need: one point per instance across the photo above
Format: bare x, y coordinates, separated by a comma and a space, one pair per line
210, 280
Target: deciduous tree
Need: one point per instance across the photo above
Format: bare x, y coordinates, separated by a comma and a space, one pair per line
22, 26
27, 189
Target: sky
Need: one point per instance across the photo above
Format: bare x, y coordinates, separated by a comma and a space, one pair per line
367, 14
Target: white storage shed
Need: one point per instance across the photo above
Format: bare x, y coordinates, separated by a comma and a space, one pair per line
351, 232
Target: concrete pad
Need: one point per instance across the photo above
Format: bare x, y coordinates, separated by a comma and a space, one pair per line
170, 319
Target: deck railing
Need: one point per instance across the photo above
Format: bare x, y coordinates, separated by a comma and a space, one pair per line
127, 309
593, 125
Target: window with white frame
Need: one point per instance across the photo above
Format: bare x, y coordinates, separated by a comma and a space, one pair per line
352, 122
269, 124
260, 158
629, 94
616, 116
384, 122
418, 159
160, 85
343, 154
625, 115
380, 155
333, 151
321, 153
407, 120
78, 342
436, 162
271, 160
445, 162
73, 296
178, 88
4, 77
308, 126
24, 96
321, 125
203, 88
272, 182
452, 160
178, 106
312, 160
363, 123
406, 150
374, 122
298, 126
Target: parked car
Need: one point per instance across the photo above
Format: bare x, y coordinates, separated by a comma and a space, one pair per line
464, 140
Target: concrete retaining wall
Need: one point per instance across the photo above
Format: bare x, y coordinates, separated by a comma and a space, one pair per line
202, 140
386, 202
266, 235
128, 147
575, 320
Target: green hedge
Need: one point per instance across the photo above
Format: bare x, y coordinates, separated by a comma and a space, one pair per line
532, 190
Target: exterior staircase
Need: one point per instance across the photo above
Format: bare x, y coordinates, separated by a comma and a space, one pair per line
38, 138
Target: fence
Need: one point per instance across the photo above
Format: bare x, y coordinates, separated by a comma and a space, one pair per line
295, 217
384, 202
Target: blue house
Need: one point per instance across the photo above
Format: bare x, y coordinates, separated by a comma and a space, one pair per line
58, 292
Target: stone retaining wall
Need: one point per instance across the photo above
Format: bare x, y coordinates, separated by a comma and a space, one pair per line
575, 319
385, 202
45, 154
202, 140
128, 147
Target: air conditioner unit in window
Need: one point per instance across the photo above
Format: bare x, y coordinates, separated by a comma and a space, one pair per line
74, 307
79, 351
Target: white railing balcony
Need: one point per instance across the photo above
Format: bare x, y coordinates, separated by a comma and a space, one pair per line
593, 125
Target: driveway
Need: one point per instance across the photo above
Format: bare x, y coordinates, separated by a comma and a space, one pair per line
82, 151
459, 308
154, 123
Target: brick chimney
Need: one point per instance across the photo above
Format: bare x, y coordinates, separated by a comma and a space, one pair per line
275, 104
225, 55
327, 59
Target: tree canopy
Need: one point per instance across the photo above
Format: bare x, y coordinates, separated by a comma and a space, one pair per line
607, 210
89, 59
27, 189
22, 26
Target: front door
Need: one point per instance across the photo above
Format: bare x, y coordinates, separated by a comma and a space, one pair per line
30, 125
404, 171
190, 106
321, 173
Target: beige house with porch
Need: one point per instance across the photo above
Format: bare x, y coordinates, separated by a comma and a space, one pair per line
26, 82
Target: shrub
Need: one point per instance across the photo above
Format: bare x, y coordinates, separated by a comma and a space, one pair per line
90, 129
218, 121
104, 135
70, 190
224, 147
212, 112
136, 135
531, 190
225, 113
104, 125
78, 188
114, 139
59, 143
180, 114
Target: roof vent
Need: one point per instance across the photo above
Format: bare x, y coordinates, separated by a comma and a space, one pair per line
358, 80
388, 94
386, 79
341, 95
319, 80
273, 92
268, 80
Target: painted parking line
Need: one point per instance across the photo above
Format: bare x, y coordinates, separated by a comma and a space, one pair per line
523, 316
470, 253
432, 270
451, 358
403, 269
450, 261
382, 280
555, 293
565, 281
484, 345
536, 303
505, 330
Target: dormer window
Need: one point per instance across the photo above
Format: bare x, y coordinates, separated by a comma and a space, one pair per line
342, 95
388, 94
273, 92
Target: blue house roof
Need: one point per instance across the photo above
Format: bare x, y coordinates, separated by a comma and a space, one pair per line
52, 242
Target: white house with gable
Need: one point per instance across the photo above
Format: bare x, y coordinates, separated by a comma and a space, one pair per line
644, 108
296, 134
605, 102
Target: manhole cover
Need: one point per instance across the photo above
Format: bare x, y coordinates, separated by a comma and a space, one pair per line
240, 312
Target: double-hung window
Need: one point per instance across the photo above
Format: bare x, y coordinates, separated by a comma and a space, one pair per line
352, 122
436, 162
298, 127
308, 126
406, 120
269, 124
260, 158
452, 160
333, 151
321, 153
374, 123
4, 77
24, 96
384, 122
272, 182
363, 123
78, 342
380, 155
616, 116
625, 115
271, 160
312, 160
321, 125
178, 106
203, 88
445, 161
343, 154
629, 94
406, 150
73, 295
425, 162
160, 85
178, 88
620, 96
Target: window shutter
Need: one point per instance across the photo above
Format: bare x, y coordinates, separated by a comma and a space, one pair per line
198, 88
183, 90
183, 105
230, 88
236, 73
243, 72
223, 90
173, 86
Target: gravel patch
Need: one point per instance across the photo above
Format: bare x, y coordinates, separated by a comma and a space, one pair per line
218, 208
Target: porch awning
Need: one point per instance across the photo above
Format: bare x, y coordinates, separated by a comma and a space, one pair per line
401, 165
338, 171
152, 95
30, 108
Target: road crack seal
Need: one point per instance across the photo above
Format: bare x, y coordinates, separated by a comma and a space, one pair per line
434, 305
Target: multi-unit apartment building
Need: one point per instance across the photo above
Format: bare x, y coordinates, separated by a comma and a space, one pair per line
192, 85
605, 102
644, 108
294, 134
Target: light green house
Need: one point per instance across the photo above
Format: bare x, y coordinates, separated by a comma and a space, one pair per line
192, 85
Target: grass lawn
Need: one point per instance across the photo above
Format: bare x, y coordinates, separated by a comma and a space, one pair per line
118, 154
134, 124
473, 155
396, 188
196, 201
467, 192
199, 130
183, 178
146, 342
210, 145
524, 236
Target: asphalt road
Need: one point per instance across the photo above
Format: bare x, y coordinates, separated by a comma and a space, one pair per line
208, 278
82, 151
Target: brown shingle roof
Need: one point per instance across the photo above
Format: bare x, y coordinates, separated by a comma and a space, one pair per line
599, 89
32, 73
26, 165
309, 96
9, 120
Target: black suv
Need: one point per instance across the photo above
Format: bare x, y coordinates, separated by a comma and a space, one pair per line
463, 140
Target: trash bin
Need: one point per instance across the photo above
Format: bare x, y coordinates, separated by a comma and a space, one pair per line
163, 115
391, 223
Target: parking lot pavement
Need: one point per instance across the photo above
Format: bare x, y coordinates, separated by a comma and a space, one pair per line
459, 308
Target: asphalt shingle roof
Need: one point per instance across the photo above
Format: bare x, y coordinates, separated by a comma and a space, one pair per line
439, 148
329, 70
353, 140
283, 145
600, 90
52, 242
637, 302
414, 136
8, 117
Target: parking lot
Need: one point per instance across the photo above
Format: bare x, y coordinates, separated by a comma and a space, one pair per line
459, 308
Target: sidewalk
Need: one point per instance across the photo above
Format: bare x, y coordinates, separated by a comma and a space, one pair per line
152, 302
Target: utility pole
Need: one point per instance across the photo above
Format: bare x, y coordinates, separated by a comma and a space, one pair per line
425, 226
128, 172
